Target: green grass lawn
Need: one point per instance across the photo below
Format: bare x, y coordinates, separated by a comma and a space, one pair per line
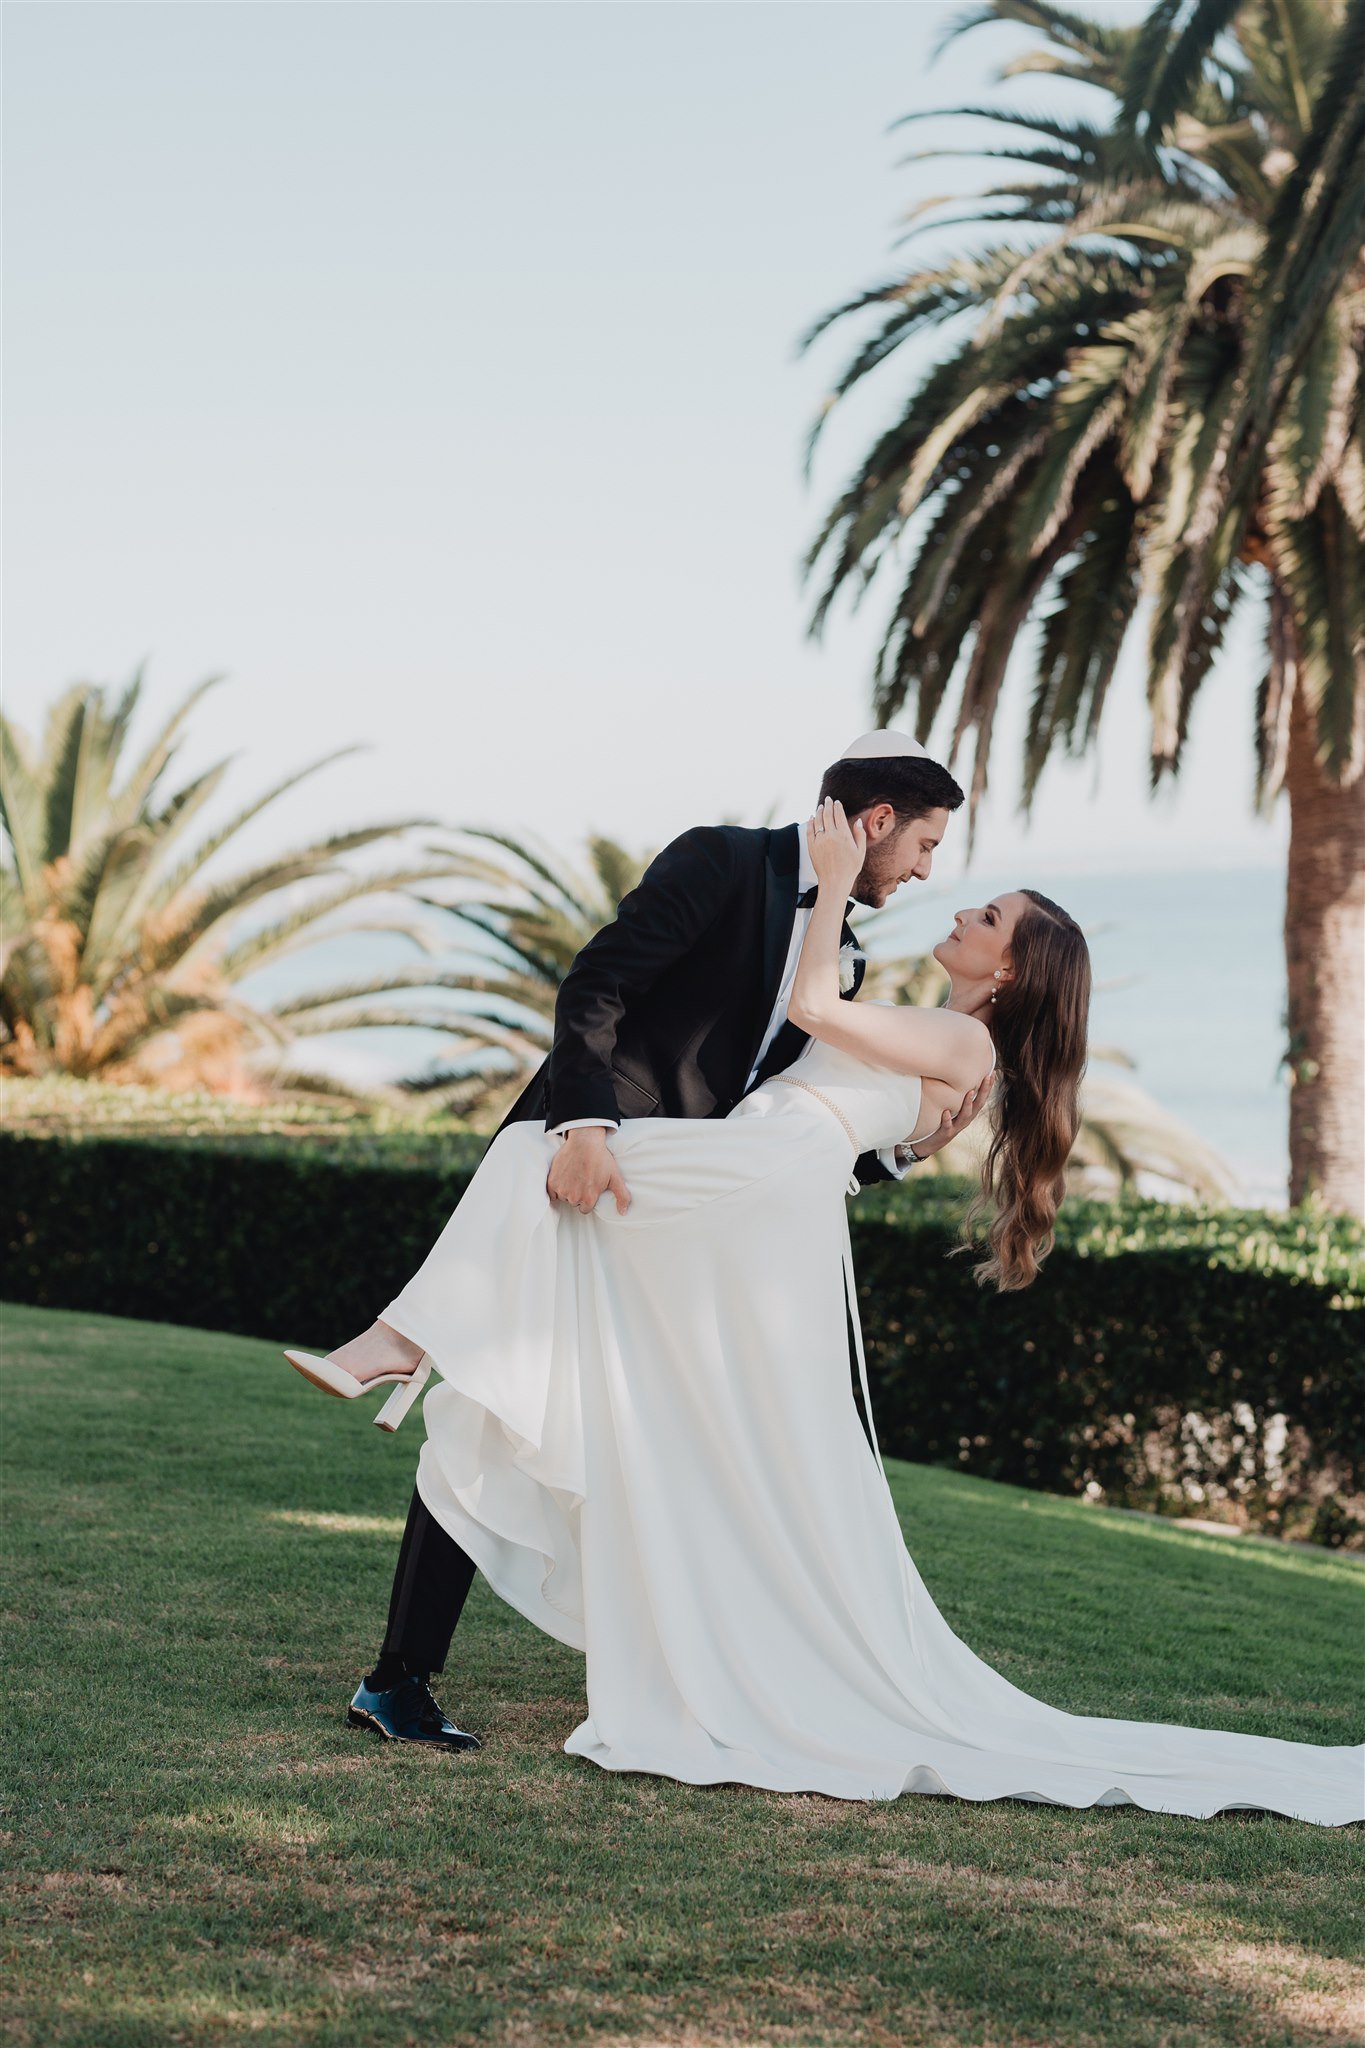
199, 1850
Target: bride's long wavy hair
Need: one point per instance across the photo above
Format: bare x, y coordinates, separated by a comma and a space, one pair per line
1039, 1022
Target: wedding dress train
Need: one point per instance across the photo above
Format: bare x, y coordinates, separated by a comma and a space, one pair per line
644, 1435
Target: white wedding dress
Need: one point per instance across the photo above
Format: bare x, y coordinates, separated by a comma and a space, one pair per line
644, 1434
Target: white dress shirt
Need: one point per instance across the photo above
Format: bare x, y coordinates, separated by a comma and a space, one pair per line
806, 878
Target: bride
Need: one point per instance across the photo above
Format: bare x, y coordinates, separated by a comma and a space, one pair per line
643, 1429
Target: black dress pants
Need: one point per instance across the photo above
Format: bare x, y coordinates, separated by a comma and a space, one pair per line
430, 1587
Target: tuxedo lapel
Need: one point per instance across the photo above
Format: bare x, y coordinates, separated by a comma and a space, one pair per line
780, 874
779, 910
778, 906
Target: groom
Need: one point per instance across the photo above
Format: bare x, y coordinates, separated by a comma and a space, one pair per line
677, 1008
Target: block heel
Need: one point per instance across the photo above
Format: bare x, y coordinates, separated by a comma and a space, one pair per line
402, 1398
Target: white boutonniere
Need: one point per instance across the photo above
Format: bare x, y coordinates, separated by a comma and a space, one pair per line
849, 956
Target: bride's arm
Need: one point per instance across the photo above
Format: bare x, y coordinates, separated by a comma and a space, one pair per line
941, 1045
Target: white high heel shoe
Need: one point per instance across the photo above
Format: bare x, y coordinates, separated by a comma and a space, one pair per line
334, 1379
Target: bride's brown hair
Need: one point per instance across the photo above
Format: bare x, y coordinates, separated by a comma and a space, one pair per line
1038, 1021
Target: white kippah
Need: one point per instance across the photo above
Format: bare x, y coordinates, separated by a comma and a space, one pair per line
882, 745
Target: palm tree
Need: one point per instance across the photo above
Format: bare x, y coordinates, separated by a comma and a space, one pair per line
1151, 399
539, 910
120, 960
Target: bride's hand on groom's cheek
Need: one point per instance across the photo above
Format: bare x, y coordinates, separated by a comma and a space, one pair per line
836, 847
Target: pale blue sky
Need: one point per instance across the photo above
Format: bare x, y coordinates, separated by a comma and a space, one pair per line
430, 369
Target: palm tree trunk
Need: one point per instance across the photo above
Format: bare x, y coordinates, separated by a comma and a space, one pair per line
1324, 944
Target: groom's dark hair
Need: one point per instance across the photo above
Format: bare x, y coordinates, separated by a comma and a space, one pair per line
910, 783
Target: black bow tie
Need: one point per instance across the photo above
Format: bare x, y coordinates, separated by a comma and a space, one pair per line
806, 900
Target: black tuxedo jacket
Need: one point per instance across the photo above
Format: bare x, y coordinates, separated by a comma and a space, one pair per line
663, 1012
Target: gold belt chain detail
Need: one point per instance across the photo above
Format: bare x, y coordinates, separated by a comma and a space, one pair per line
788, 1082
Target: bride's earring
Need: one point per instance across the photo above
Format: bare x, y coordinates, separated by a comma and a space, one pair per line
999, 976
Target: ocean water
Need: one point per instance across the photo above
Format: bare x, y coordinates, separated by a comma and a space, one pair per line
1189, 969
1190, 983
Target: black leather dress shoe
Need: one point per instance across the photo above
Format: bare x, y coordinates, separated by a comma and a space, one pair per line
407, 1713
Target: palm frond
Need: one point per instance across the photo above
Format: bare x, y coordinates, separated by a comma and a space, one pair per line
1275, 697
1310, 438
21, 806
1080, 34
162, 886
1321, 561
1082, 637
299, 925
386, 983
1172, 47
136, 792
68, 736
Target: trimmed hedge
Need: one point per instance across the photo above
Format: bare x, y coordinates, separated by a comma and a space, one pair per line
263, 1237
60, 1106
1167, 1357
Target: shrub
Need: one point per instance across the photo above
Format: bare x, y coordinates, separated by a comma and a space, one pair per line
1167, 1357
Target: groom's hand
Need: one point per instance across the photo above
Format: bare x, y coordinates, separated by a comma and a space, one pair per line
583, 1169
950, 1125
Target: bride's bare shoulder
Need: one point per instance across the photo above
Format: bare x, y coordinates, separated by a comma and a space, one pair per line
952, 1047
